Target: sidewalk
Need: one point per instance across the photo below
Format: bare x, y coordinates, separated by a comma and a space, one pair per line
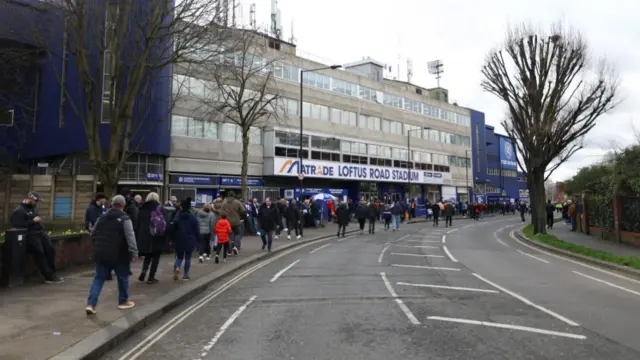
40, 321
563, 232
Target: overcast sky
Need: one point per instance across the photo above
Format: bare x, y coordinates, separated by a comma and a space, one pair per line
460, 33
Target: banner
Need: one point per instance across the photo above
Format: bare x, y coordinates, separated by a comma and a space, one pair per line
507, 154
333, 170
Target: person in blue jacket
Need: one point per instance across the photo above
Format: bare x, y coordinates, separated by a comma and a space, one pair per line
396, 214
95, 209
186, 233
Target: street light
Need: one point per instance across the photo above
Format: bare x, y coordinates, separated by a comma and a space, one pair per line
300, 172
409, 159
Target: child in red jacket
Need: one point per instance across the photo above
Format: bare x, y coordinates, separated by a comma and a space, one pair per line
222, 230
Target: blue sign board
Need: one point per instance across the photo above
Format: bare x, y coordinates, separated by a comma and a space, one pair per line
155, 177
235, 181
193, 180
507, 154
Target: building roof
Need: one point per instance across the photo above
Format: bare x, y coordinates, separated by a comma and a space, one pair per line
366, 60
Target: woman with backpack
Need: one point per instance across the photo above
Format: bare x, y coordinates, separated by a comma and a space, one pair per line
151, 236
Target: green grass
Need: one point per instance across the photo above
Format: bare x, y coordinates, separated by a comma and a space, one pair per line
551, 240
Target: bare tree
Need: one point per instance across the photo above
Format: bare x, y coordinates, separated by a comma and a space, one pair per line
553, 95
121, 50
242, 89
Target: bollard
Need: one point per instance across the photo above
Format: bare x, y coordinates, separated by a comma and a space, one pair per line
13, 255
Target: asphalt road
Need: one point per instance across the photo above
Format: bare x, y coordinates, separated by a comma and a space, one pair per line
405, 295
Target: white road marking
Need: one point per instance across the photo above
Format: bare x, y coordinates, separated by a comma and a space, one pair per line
402, 238
321, 247
417, 246
412, 318
509, 326
417, 255
532, 256
444, 238
448, 287
163, 330
276, 276
502, 242
382, 254
608, 283
450, 231
528, 302
446, 251
224, 327
425, 267
346, 238
421, 241
573, 261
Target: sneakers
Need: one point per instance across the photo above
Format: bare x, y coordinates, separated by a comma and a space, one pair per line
299, 237
217, 260
289, 237
235, 250
258, 233
224, 260
186, 278
201, 259
152, 281
208, 258
126, 305
176, 272
90, 310
285, 229
54, 279
275, 236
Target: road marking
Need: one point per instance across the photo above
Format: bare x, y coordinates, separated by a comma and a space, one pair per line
163, 330
573, 261
402, 238
448, 287
321, 247
420, 255
227, 324
532, 256
450, 231
412, 318
608, 283
421, 241
444, 238
417, 246
382, 254
425, 267
346, 238
446, 251
508, 326
528, 302
502, 242
276, 276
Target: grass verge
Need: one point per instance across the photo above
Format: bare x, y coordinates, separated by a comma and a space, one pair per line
551, 240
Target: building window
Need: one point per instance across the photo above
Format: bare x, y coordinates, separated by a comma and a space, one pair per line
291, 139
179, 125
195, 128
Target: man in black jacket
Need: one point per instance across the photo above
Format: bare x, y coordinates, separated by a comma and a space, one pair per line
38, 243
294, 218
373, 215
114, 248
131, 207
95, 209
269, 219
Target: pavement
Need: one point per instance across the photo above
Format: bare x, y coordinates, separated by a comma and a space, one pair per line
563, 232
52, 316
467, 292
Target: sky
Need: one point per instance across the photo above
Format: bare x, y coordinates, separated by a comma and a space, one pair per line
460, 33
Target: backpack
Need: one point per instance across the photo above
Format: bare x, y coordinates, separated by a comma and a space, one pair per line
158, 224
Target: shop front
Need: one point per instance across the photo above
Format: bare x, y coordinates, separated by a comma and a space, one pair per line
201, 188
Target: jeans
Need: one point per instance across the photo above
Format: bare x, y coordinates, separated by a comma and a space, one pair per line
122, 271
151, 260
396, 221
238, 232
574, 223
267, 239
205, 244
372, 225
186, 256
253, 224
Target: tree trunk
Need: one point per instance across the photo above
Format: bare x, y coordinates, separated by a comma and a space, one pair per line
245, 164
531, 199
537, 185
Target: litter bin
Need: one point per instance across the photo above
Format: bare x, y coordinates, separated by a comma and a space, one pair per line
13, 254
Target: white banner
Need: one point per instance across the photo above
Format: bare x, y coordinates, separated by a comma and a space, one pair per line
333, 170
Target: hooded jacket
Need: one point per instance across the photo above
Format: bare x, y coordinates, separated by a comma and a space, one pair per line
186, 231
207, 222
235, 211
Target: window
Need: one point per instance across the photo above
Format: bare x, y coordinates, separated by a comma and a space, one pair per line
179, 125
370, 122
230, 132
6, 117
413, 130
336, 116
397, 153
291, 139
433, 135
324, 143
195, 128
255, 136
366, 93
211, 130
393, 100
292, 107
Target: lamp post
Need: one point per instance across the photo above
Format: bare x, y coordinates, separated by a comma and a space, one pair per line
466, 166
409, 159
300, 171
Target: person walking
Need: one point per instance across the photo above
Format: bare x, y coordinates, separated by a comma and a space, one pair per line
550, 209
223, 231
38, 243
436, 213
386, 217
95, 209
396, 213
236, 214
342, 218
572, 213
373, 214
207, 221
114, 248
151, 236
186, 232
294, 219
448, 214
269, 219
522, 207
361, 215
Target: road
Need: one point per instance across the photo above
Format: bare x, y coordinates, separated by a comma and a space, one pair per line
471, 292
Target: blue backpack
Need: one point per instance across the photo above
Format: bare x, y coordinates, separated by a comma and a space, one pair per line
158, 224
